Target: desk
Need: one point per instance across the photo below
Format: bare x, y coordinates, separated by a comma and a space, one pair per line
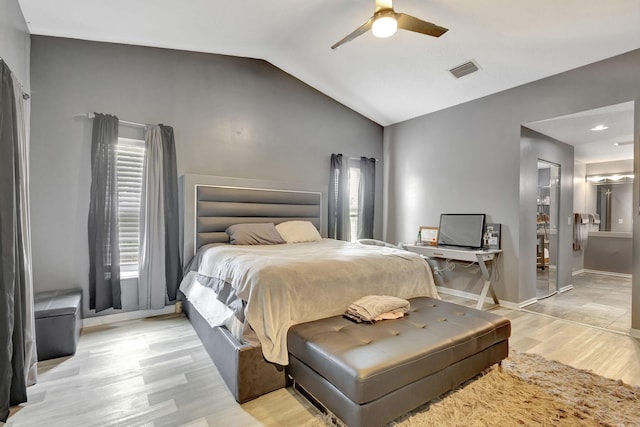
482, 257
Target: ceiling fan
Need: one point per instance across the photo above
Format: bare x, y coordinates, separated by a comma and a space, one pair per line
385, 21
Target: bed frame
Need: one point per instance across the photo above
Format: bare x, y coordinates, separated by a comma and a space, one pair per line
210, 205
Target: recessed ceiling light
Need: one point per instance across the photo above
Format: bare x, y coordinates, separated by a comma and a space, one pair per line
600, 127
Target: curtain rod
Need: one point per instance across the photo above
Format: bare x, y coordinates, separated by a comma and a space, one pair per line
358, 158
122, 122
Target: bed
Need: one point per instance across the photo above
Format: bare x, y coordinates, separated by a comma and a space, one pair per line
262, 290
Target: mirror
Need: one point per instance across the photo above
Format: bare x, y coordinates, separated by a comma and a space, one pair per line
547, 220
611, 198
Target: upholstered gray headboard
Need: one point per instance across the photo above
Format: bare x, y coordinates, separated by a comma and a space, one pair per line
215, 203
219, 207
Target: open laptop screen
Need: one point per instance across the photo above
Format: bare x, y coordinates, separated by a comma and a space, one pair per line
461, 230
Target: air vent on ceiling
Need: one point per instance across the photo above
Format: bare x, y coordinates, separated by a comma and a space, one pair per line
464, 69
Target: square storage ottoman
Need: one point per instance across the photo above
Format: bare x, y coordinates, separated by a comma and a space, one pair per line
58, 323
367, 375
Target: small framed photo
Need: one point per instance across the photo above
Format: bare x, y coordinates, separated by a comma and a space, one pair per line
428, 235
492, 236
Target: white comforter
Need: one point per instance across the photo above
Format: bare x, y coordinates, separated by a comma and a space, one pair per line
294, 283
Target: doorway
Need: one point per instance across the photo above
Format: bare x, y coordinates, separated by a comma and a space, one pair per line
600, 290
547, 220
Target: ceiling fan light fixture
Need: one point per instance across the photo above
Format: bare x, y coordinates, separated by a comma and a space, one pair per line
384, 26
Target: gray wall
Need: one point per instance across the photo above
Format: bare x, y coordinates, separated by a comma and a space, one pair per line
232, 116
467, 158
536, 146
610, 252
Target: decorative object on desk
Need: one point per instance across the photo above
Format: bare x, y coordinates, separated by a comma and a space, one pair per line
527, 390
428, 235
492, 234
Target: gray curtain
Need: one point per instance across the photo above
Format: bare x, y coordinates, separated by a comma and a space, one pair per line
30, 351
366, 197
160, 263
104, 250
13, 387
151, 280
173, 263
339, 226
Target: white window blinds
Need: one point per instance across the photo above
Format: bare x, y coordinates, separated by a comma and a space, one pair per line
129, 164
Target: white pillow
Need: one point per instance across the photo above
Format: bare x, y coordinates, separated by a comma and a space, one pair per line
298, 231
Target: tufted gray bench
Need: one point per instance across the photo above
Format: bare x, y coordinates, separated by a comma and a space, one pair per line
58, 322
368, 375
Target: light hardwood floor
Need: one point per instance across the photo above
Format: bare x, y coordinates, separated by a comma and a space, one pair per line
155, 372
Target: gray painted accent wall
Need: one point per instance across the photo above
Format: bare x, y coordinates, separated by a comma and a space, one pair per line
467, 158
233, 117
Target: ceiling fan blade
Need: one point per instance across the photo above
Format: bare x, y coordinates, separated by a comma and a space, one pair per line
411, 23
358, 32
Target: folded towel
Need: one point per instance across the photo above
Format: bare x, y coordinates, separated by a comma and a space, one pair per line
377, 307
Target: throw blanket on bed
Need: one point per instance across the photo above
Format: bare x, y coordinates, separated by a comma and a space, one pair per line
294, 283
373, 308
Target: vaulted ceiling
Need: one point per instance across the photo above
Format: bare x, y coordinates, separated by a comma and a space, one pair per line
387, 80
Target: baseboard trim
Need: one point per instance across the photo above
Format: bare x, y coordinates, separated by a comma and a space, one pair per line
634, 333
578, 272
565, 288
129, 315
462, 294
528, 302
487, 300
608, 273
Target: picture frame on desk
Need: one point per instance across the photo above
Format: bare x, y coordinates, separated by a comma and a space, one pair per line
427, 235
492, 236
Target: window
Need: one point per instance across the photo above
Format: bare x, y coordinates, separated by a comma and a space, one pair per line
354, 185
129, 165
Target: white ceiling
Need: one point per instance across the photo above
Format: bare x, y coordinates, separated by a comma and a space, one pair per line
594, 146
387, 80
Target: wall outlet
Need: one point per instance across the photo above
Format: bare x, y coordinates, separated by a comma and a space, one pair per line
568, 220
620, 221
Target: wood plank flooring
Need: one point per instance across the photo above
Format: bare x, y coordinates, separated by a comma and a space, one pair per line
155, 372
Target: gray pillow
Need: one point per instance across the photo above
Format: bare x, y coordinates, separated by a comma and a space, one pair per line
254, 234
